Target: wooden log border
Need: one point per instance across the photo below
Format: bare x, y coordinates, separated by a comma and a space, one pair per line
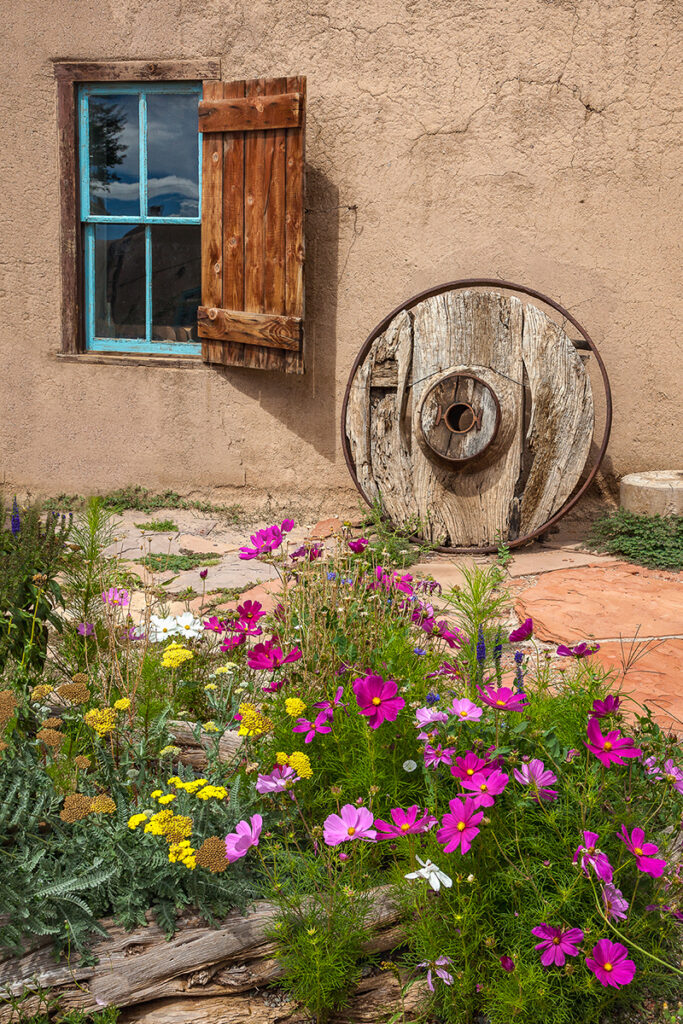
485, 282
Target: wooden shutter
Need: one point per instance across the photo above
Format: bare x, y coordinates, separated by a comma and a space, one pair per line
253, 223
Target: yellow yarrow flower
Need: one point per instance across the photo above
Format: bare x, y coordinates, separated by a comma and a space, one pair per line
40, 691
301, 763
191, 787
102, 720
210, 727
219, 792
294, 707
158, 823
123, 704
228, 667
170, 749
253, 722
103, 804
211, 686
167, 798
184, 853
174, 655
175, 780
135, 820
281, 758
156, 794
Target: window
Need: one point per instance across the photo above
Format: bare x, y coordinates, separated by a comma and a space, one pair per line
140, 181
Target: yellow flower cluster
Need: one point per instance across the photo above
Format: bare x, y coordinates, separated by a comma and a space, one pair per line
41, 691
103, 804
165, 823
225, 668
253, 722
210, 727
184, 853
301, 763
219, 792
102, 720
189, 787
211, 686
294, 707
135, 820
170, 749
175, 654
123, 704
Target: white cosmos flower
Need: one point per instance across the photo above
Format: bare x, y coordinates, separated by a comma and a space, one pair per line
187, 625
431, 874
161, 629
409, 766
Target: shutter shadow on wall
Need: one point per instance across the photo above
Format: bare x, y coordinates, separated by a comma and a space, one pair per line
253, 223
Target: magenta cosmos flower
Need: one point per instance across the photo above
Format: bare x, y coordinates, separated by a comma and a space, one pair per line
503, 699
459, 827
672, 774
437, 966
281, 778
485, 787
535, 775
465, 711
608, 706
115, 598
579, 651
588, 856
268, 656
267, 540
468, 765
608, 962
438, 755
215, 625
453, 637
319, 725
614, 903
229, 643
404, 823
556, 945
328, 707
85, 628
522, 632
643, 852
245, 836
359, 545
612, 748
376, 698
352, 823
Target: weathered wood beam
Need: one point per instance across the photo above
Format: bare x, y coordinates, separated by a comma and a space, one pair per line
252, 113
249, 328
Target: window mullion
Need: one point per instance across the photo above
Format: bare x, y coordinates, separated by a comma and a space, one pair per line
142, 117
84, 155
89, 285
148, 284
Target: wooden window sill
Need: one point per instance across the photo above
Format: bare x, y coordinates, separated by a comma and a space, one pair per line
128, 359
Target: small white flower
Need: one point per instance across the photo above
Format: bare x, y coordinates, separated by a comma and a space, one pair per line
432, 874
187, 625
161, 629
470, 878
409, 766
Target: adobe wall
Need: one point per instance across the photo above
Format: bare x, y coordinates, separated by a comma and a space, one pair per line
535, 140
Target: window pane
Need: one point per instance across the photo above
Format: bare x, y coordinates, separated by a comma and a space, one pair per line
172, 155
176, 279
114, 155
119, 281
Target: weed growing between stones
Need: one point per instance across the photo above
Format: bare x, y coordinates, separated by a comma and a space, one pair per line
653, 541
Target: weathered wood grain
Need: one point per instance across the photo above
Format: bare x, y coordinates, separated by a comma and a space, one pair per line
198, 70
251, 113
562, 417
70, 255
357, 427
194, 749
212, 210
250, 328
481, 417
141, 967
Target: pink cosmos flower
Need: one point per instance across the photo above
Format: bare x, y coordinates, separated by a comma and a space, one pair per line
351, 823
535, 775
467, 766
453, 637
459, 827
556, 944
358, 545
438, 755
673, 775
612, 748
214, 624
280, 779
311, 553
486, 787
245, 836
507, 963
615, 904
230, 642
588, 856
579, 651
608, 962
377, 699
85, 628
437, 966
388, 580
268, 656
503, 699
246, 628
608, 706
115, 597
429, 716
404, 823
319, 725
643, 852
250, 611
328, 707
276, 685
522, 632
465, 710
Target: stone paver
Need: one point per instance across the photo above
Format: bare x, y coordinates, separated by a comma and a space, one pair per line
541, 559
604, 601
654, 679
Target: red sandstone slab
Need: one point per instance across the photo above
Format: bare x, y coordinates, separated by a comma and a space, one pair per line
654, 679
326, 528
266, 593
609, 601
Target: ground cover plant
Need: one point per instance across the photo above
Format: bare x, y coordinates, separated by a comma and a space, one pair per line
520, 812
653, 541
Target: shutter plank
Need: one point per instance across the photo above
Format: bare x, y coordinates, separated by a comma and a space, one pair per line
294, 248
252, 113
275, 241
250, 328
212, 209
233, 212
254, 206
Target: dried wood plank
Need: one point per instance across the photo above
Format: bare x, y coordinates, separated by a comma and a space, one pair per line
294, 218
473, 331
254, 207
562, 417
198, 70
250, 328
193, 749
274, 214
385, 375
212, 210
357, 427
252, 113
70, 254
140, 967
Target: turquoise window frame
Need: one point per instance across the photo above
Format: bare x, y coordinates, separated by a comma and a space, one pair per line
144, 345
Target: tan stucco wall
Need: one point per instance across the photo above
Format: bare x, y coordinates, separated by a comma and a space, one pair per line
535, 140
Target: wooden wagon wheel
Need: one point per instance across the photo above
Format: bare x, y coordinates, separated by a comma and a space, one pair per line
470, 412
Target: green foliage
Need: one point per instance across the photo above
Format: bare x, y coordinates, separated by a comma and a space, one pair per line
87, 572
653, 541
41, 1007
31, 557
140, 499
158, 526
393, 545
175, 563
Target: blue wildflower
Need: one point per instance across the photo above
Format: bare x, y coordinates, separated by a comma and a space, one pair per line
432, 698
331, 575
481, 646
15, 520
519, 657
419, 650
